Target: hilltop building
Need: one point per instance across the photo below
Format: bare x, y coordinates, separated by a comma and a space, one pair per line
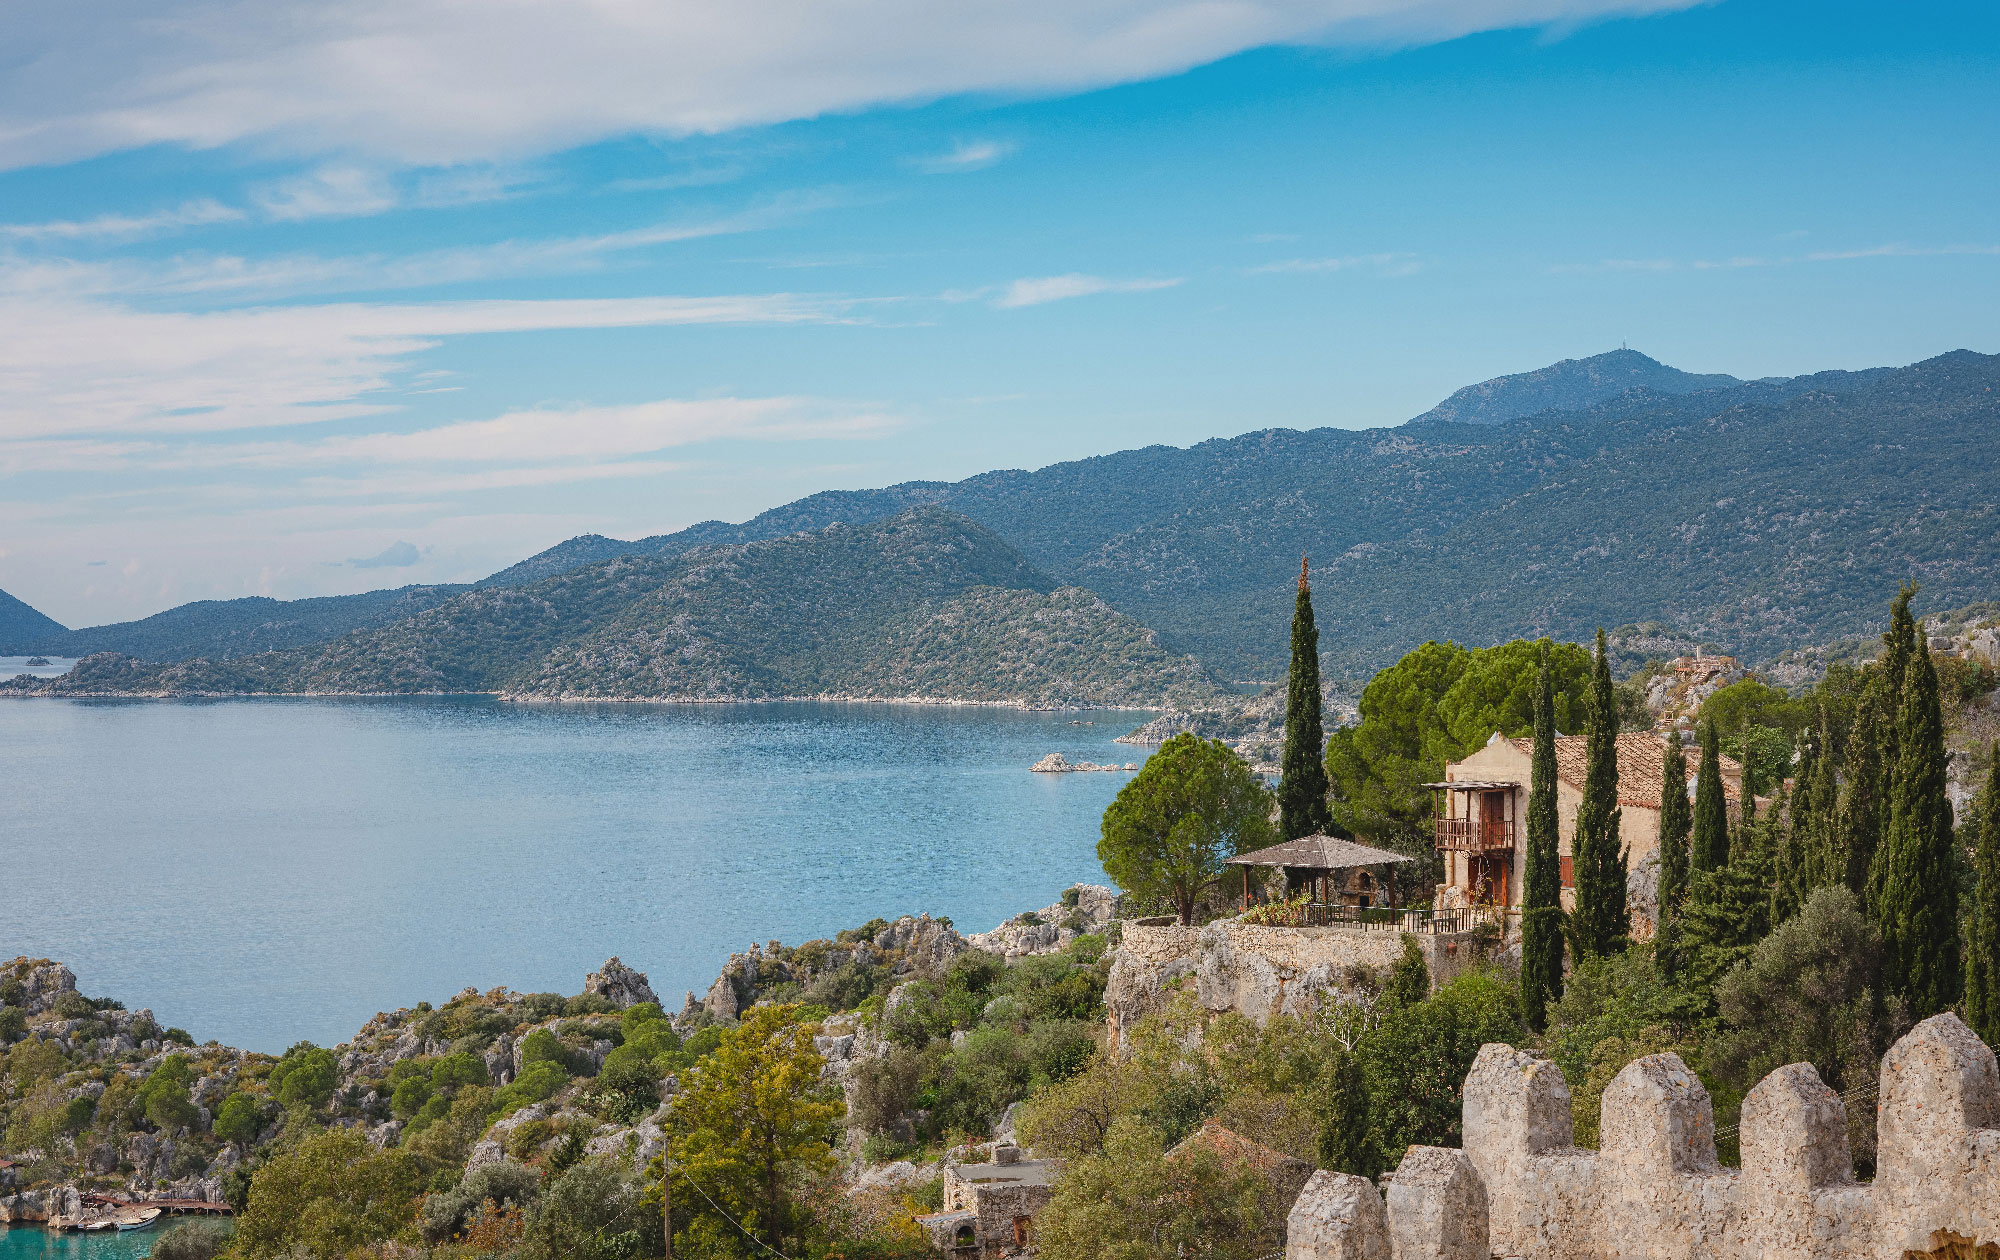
1482, 811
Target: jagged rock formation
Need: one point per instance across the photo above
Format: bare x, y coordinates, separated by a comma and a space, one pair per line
1053, 928
914, 946
619, 984
1655, 1190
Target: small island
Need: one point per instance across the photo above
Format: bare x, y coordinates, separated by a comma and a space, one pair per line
36, 661
1056, 763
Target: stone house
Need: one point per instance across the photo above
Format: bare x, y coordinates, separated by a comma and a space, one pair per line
1482, 809
989, 1209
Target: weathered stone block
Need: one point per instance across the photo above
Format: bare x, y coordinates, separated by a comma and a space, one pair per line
1661, 1191
1938, 1135
1337, 1217
1437, 1207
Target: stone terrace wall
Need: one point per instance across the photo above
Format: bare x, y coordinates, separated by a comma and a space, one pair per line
1255, 970
1521, 1188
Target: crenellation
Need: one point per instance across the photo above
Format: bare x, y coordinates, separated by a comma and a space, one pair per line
1656, 1190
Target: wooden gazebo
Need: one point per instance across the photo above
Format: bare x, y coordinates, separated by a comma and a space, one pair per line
1310, 861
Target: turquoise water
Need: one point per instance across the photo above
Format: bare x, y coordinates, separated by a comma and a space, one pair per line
262, 871
33, 1243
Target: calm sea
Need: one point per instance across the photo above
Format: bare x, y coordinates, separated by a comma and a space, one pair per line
30, 1242
266, 871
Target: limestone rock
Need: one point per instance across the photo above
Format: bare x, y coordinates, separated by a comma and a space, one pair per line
1052, 928
1437, 1207
620, 984
1337, 1217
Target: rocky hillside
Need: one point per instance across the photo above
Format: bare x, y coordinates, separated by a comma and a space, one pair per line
1570, 385
223, 629
923, 605
21, 627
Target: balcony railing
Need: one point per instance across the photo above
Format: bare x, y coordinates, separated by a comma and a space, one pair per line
1474, 835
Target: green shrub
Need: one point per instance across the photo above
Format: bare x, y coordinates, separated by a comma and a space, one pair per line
239, 1119
13, 1023
306, 1076
192, 1240
534, 1084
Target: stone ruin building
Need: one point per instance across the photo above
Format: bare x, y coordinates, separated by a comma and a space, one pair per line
989, 1209
1655, 1191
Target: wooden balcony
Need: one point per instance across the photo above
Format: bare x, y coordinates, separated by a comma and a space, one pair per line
1474, 835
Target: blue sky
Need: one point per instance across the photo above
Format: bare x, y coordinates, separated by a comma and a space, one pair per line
303, 300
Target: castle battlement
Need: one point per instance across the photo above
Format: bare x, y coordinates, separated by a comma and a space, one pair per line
1655, 1190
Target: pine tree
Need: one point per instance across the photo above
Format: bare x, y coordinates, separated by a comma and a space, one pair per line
1302, 807
1860, 821
1600, 921
1541, 901
1709, 846
1982, 960
1918, 907
1675, 822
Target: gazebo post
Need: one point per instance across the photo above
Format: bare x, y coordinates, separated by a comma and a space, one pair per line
1246, 887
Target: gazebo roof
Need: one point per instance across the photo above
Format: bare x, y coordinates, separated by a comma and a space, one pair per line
1319, 853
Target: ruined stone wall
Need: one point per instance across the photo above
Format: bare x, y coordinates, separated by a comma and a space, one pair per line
1521, 1187
1258, 971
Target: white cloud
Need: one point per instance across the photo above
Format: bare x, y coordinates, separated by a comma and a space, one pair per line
191, 274
328, 192
1386, 264
77, 367
1034, 291
197, 213
437, 82
968, 155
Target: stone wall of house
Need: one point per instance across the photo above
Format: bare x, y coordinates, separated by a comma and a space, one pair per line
1259, 971
1521, 1187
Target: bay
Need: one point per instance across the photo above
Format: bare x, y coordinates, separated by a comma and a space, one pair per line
31, 1242
262, 871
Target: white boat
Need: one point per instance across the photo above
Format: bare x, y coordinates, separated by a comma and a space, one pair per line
147, 1219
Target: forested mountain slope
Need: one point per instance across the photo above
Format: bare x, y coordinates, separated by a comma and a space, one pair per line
1570, 385
21, 626
925, 604
222, 628
1757, 516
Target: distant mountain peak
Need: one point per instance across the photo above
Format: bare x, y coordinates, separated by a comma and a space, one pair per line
1571, 385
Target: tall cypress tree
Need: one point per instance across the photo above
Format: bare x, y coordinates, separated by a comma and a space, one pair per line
1302, 807
1899, 647
1982, 959
1861, 797
1709, 847
1918, 908
1729, 906
1788, 859
1600, 921
1541, 900
1819, 788
1675, 823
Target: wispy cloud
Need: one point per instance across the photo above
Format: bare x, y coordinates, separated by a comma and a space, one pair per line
328, 192
1034, 291
415, 83
284, 275
1384, 264
79, 368
1893, 250
397, 555
967, 155
198, 213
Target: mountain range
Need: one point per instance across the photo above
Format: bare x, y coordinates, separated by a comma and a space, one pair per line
925, 604
1759, 515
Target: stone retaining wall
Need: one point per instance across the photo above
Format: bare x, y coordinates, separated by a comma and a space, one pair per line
1259, 971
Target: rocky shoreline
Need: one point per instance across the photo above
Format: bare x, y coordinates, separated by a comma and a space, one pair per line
100, 1057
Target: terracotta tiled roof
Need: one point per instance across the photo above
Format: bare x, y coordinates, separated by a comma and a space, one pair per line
1642, 761
1231, 1147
